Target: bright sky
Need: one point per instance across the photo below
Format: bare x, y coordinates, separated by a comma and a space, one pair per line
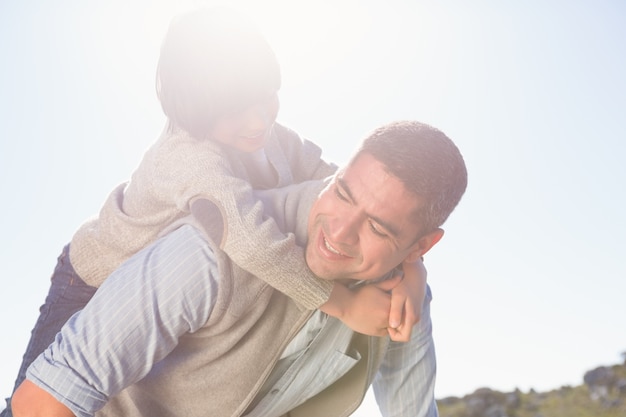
529, 280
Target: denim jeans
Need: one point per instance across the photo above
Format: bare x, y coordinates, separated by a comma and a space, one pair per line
68, 294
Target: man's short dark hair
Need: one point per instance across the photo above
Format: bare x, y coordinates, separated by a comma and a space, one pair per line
426, 161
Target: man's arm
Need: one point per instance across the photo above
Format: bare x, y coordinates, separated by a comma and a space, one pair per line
31, 401
405, 383
133, 321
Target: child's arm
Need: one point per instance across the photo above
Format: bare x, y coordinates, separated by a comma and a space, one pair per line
407, 300
187, 170
255, 243
364, 309
304, 157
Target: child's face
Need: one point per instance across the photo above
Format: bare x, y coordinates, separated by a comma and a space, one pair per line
249, 129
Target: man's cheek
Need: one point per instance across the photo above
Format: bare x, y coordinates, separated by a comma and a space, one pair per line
325, 204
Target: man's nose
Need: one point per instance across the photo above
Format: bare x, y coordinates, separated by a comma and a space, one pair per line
344, 228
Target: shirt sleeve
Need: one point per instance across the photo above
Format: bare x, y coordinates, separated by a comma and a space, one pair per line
405, 383
134, 320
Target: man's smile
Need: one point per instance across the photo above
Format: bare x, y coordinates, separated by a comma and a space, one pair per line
328, 250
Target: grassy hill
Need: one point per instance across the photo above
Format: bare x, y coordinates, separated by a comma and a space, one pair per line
603, 394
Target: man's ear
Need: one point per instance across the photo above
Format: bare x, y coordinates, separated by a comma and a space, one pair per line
424, 244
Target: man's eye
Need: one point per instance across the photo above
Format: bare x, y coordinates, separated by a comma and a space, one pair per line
340, 195
375, 229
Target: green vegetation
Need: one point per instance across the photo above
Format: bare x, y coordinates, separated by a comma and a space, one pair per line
602, 395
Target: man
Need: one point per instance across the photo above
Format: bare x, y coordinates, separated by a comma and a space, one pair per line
179, 330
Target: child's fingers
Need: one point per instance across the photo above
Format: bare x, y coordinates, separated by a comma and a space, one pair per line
412, 314
400, 334
389, 284
397, 311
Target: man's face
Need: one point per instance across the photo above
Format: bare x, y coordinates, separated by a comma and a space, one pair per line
362, 225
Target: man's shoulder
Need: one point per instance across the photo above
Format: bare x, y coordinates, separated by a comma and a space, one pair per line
196, 230
185, 236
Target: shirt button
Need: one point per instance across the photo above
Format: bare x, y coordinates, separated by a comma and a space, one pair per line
274, 391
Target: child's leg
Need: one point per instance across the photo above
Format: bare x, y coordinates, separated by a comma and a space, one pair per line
68, 293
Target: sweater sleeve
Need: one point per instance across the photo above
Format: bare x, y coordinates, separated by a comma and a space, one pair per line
290, 206
252, 240
304, 156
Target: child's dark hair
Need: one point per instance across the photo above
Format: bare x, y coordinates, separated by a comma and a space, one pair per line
213, 62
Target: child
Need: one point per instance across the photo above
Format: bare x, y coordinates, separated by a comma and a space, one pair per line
217, 81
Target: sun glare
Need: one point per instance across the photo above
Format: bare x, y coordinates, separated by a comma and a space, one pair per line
309, 38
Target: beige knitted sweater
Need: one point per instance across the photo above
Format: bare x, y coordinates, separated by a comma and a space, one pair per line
179, 169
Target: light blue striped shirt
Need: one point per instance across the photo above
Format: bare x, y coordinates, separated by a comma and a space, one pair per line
167, 290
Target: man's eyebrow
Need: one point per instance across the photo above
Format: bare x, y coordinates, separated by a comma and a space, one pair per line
387, 226
344, 186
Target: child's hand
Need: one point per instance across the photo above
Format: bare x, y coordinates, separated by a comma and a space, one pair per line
364, 310
407, 299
